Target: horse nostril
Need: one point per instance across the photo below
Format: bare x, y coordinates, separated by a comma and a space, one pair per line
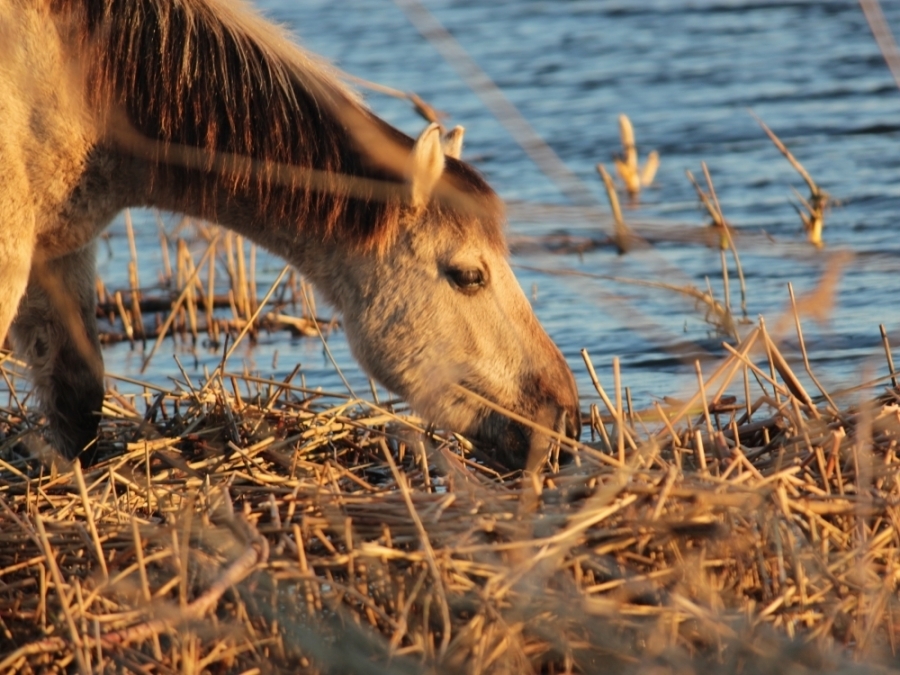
573, 424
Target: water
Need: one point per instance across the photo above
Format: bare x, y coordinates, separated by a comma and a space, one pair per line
686, 73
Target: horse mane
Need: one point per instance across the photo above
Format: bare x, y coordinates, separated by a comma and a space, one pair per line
214, 77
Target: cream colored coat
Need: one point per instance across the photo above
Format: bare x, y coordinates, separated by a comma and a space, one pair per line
201, 107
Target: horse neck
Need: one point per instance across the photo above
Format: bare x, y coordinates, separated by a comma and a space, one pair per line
279, 218
219, 117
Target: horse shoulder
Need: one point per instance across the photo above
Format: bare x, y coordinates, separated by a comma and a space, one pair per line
48, 128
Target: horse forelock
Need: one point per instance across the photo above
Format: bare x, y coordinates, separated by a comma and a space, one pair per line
472, 204
212, 78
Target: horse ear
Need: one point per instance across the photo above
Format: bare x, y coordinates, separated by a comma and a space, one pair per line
453, 141
426, 164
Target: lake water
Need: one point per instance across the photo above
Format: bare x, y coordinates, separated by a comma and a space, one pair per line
687, 74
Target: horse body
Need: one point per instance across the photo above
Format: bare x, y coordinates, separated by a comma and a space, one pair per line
201, 107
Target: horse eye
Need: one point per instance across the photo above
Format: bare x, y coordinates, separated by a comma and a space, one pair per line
467, 280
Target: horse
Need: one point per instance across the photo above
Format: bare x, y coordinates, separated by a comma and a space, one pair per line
204, 108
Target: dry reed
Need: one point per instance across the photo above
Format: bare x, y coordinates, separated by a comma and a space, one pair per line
285, 529
252, 525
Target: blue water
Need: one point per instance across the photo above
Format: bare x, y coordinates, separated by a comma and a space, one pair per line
687, 74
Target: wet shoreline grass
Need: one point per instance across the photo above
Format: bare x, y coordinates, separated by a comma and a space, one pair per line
242, 523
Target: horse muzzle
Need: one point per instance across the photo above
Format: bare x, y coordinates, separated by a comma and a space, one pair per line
524, 441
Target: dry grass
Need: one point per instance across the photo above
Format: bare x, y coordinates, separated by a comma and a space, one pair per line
241, 525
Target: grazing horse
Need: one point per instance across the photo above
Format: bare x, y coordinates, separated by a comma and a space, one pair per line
203, 108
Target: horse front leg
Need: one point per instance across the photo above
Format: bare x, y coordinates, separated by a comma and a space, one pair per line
56, 331
15, 264
16, 237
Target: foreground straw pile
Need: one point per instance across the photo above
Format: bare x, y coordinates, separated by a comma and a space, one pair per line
248, 526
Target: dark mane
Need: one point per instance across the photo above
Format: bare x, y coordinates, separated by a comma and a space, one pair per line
210, 75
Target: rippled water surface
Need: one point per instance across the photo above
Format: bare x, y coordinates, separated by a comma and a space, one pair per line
687, 74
